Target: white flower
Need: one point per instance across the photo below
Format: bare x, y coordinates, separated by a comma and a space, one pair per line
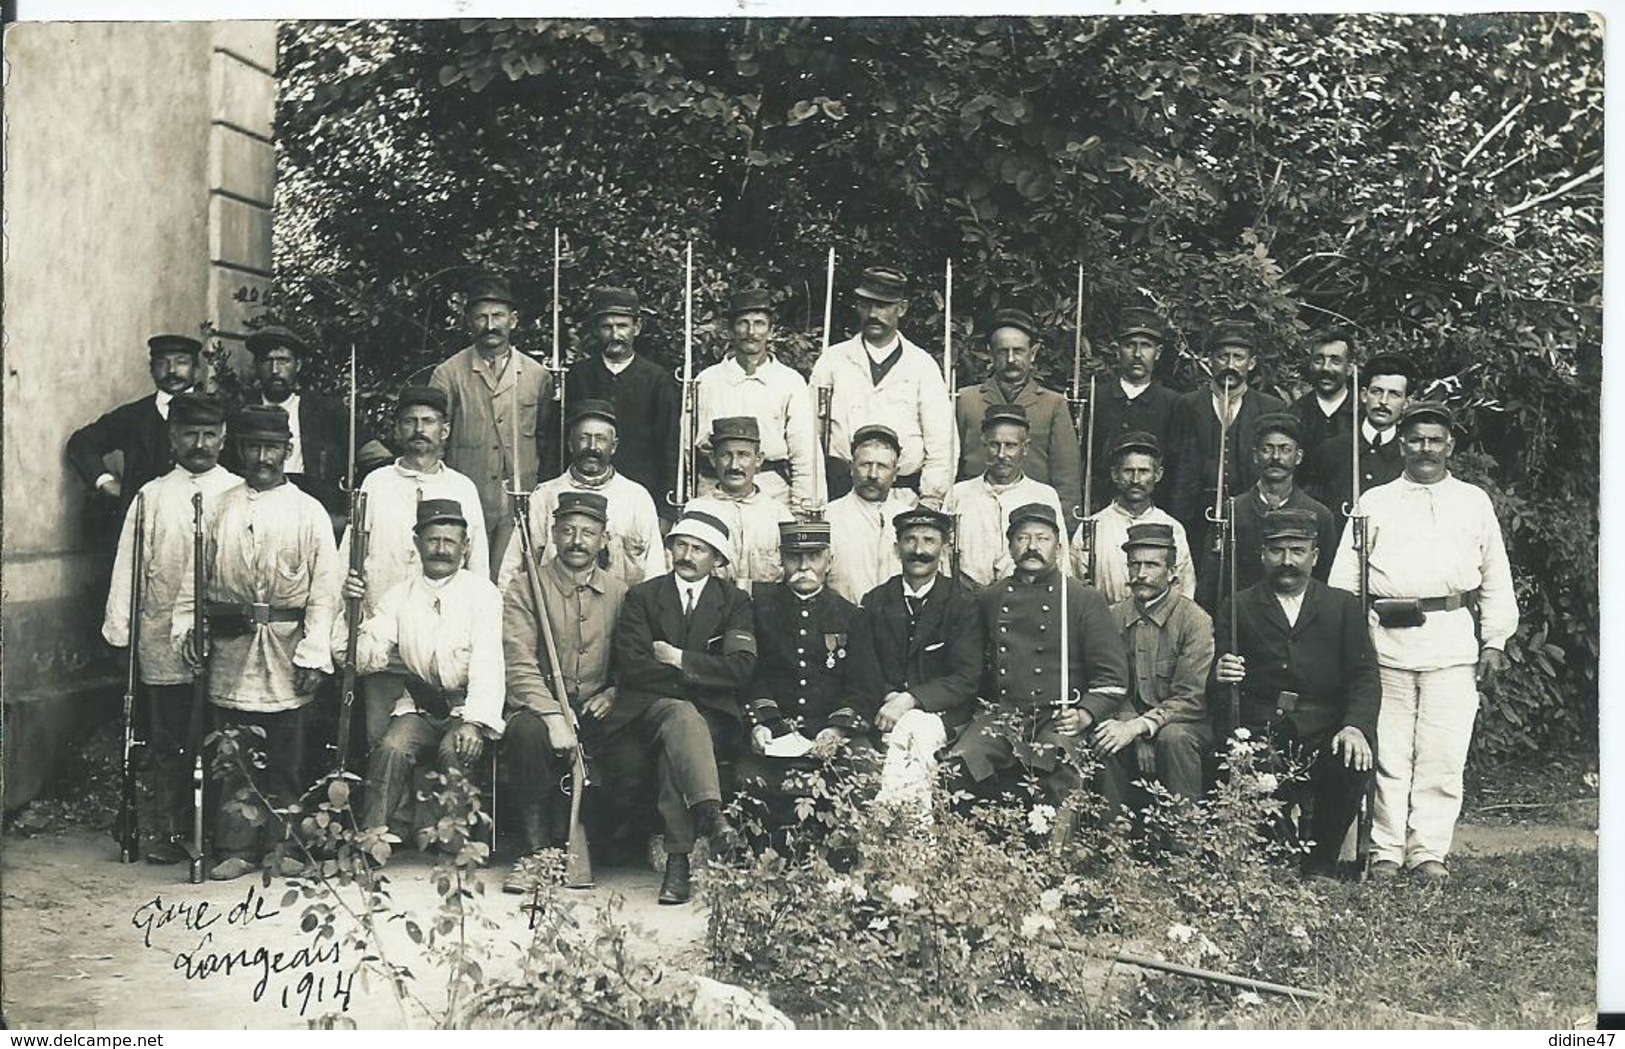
859, 893
1033, 924
835, 886
1040, 818
1181, 933
1249, 998
1049, 899
1298, 932
1242, 733
1267, 783
902, 895
880, 924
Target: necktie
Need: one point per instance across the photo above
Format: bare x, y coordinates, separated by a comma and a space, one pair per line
688, 603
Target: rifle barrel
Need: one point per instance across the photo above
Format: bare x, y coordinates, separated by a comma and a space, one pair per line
128, 826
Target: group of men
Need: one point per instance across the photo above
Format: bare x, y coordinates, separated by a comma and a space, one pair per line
933, 617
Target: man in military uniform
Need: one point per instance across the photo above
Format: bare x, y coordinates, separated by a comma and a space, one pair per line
1136, 470
751, 381
1137, 402
684, 645
196, 427
863, 541
487, 384
878, 376
1052, 442
638, 388
752, 517
1328, 470
1326, 410
631, 542
1039, 723
1277, 453
1307, 677
921, 656
981, 506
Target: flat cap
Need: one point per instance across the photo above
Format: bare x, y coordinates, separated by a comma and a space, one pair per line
1004, 413
1289, 524
604, 300
593, 408
1137, 441
1139, 321
263, 340
488, 287
803, 535
1041, 512
735, 428
1012, 317
750, 300
923, 517
428, 396
1150, 535
262, 422
439, 511
877, 432
1278, 422
592, 504
194, 409
882, 284
1233, 333
708, 529
173, 344
1428, 412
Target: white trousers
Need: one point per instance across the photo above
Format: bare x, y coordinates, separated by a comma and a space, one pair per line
1423, 731
911, 760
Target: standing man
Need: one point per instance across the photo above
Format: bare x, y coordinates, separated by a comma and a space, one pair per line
582, 602
1169, 641
639, 389
1385, 385
982, 505
1444, 607
1022, 617
1052, 442
1200, 417
864, 543
1326, 410
320, 441
1277, 452
272, 577
139, 430
751, 381
878, 376
1137, 402
444, 626
630, 547
196, 428
394, 494
486, 384
734, 498
1136, 470
685, 644
1307, 676
921, 657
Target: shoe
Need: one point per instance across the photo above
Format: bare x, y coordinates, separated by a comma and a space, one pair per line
1431, 870
675, 887
164, 852
1382, 870
231, 867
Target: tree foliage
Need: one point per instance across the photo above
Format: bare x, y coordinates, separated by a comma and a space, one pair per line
1432, 182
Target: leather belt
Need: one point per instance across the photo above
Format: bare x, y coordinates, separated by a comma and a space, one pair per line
431, 700
256, 613
1447, 603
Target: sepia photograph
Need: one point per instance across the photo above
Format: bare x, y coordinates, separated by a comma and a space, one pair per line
879, 521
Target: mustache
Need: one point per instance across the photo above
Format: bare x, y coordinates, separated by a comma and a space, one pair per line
920, 559
1229, 375
684, 564
1030, 555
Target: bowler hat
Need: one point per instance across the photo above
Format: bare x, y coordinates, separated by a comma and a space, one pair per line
439, 511
623, 301
592, 504
882, 284
173, 344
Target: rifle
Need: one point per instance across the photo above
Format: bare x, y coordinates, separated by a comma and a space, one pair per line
358, 563
688, 420
127, 829
1086, 426
1227, 529
557, 369
1358, 523
200, 691
578, 858
825, 391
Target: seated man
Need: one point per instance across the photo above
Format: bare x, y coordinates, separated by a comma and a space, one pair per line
684, 645
1169, 641
445, 624
805, 689
1049, 681
1307, 677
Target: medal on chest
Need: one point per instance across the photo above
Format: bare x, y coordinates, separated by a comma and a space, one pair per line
835, 645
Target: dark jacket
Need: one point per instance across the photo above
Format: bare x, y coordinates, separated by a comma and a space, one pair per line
1316, 427
1327, 659
1195, 467
1250, 511
135, 429
718, 643
323, 442
940, 667
1052, 441
1152, 411
1327, 470
647, 406
804, 669
1023, 623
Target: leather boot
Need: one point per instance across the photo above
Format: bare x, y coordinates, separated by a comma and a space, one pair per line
675, 888
535, 829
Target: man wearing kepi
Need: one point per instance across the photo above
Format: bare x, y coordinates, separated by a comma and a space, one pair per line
196, 425
1307, 677
1025, 650
582, 602
393, 494
487, 384
639, 389
1443, 606
751, 381
982, 505
630, 547
444, 625
805, 681
1137, 402
685, 644
878, 376
863, 541
273, 578
1169, 641
1277, 454
921, 656
1136, 470
734, 498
